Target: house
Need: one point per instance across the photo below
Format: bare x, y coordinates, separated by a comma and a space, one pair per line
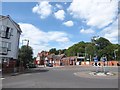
69, 60
9, 42
45, 58
55, 60
41, 57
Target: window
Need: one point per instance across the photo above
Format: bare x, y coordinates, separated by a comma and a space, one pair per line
4, 44
2, 31
11, 32
5, 32
9, 46
3, 50
7, 35
5, 47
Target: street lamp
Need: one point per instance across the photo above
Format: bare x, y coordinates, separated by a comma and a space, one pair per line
94, 38
85, 52
27, 41
115, 53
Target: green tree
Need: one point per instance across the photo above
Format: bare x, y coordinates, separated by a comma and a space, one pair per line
60, 51
53, 50
76, 48
118, 53
89, 50
25, 55
101, 43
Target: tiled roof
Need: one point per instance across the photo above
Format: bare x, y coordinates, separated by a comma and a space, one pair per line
56, 57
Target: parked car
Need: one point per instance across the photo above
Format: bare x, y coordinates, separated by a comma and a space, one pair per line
49, 64
32, 65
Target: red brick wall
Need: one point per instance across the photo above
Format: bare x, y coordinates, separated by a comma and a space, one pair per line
109, 63
8, 67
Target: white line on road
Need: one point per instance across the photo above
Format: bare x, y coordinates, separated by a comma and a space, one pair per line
2, 78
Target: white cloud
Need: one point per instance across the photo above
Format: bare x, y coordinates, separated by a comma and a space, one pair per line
88, 31
59, 6
97, 13
40, 40
65, 3
68, 23
111, 32
60, 14
44, 9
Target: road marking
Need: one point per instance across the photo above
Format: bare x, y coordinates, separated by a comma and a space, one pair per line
2, 78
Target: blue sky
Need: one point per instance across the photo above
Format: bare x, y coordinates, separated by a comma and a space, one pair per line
60, 25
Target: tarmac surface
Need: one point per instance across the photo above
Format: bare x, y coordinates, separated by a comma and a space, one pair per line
60, 77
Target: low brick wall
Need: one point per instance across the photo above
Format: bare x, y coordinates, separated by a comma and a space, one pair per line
8, 67
108, 63
11, 67
113, 63
86, 63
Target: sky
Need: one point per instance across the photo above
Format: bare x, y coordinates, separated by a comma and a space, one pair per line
61, 24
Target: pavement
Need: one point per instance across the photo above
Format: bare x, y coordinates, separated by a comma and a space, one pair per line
59, 77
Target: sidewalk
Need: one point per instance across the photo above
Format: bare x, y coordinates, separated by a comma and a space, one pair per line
14, 73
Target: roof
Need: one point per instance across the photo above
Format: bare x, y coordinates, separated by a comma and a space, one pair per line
69, 58
56, 57
14, 23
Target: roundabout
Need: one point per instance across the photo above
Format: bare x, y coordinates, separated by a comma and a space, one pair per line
97, 75
100, 73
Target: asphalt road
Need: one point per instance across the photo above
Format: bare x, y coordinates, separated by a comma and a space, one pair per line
62, 77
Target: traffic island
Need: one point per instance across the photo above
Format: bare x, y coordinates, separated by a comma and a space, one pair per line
97, 75
100, 73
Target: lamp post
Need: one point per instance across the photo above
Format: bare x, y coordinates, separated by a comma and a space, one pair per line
115, 53
85, 52
94, 38
27, 42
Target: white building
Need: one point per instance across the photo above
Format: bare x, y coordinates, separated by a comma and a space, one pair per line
9, 39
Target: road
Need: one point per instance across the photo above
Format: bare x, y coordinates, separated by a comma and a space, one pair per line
61, 77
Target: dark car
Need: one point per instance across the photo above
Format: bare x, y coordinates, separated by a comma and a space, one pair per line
32, 65
49, 64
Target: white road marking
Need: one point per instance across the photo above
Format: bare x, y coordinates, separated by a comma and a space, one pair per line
2, 78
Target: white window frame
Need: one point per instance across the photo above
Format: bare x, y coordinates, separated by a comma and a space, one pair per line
3, 50
9, 46
3, 33
5, 47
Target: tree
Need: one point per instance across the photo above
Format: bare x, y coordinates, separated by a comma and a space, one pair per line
53, 50
89, 50
25, 55
118, 53
60, 51
99, 46
101, 43
76, 48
